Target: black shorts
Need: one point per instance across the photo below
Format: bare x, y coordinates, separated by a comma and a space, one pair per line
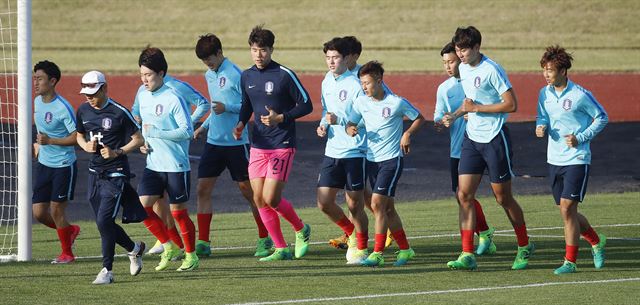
54, 184
347, 173
216, 158
453, 168
177, 185
569, 182
384, 175
496, 156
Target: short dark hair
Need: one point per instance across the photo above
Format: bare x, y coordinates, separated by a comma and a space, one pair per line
354, 45
448, 48
49, 68
373, 69
262, 37
336, 44
207, 45
467, 37
153, 58
557, 56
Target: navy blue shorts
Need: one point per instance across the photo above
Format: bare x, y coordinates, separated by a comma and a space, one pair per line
54, 184
216, 158
384, 175
495, 156
453, 167
177, 185
347, 173
569, 182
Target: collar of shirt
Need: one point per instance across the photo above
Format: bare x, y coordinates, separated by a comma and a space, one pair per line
566, 89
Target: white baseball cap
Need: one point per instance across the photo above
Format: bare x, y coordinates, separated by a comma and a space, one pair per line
92, 81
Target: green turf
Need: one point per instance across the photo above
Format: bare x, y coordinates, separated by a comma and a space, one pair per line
234, 276
406, 35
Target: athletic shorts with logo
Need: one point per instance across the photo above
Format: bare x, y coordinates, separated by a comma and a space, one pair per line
215, 158
569, 182
384, 175
495, 156
271, 163
177, 185
346, 173
54, 184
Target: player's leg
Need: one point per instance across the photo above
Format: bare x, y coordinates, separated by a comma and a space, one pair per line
355, 169
204, 214
331, 179
379, 202
179, 190
42, 194
63, 187
161, 207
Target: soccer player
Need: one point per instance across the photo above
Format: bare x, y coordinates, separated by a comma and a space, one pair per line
167, 130
449, 97
572, 117
56, 168
489, 99
276, 98
222, 150
108, 132
201, 104
343, 166
382, 114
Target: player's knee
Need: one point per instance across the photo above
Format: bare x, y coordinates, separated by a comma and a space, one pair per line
40, 215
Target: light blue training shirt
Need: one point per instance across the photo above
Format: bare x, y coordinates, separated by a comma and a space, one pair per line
449, 97
56, 119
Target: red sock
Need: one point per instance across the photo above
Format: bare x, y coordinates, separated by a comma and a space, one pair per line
175, 237
363, 240
204, 226
571, 253
380, 239
187, 229
591, 236
346, 225
155, 225
521, 235
50, 225
401, 238
481, 222
467, 240
64, 234
262, 230
285, 209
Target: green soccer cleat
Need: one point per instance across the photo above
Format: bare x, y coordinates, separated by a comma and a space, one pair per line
170, 252
598, 252
567, 267
522, 258
485, 242
375, 259
190, 262
263, 247
302, 241
280, 254
404, 256
203, 248
358, 257
466, 261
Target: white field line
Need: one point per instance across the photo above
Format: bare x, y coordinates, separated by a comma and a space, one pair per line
434, 292
421, 237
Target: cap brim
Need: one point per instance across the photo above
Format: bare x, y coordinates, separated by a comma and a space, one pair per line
90, 91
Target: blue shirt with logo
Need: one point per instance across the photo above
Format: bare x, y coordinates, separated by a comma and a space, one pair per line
484, 84
573, 111
449, 97
57, 120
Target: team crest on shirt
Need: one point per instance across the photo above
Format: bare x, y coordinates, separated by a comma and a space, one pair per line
566, 104
476, 82
342, 95
386, 112
222, 82
106, 123
48, 117
268, 87
159, 109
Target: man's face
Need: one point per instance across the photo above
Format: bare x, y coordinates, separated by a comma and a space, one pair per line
151, 79
552, 75
261, 56
336, 62
42, 84
451, 63
370, 85
214, 61
470, 56
97, 100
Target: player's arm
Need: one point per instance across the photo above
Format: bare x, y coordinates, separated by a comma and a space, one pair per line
413, 114
88, 146
354, 116
299, 94
203, 128
600, 119
509, 104
44, 139
321, 131
202, 107
184, 131
542, 119
440, 117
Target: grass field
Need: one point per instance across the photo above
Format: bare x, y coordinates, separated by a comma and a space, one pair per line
232, 276
406, 35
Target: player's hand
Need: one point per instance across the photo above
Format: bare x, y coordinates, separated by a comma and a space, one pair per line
201, 130
145, 149
331, 118
405, 142
272, 119
448, 119
108, 153
571, 140
540, 130
218, 107
91, 146
43, 139
466, 116
36, 150
138, 119
468, 105
237, 131
146, 128
321, 131
438, 125
352, 130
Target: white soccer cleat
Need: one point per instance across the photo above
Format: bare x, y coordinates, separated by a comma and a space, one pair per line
104, 277
157, 248
358, 257
352, 247
135, 257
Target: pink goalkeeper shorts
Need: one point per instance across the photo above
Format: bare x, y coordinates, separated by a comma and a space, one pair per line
271, 163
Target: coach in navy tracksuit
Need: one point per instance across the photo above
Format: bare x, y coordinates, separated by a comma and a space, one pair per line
108, 131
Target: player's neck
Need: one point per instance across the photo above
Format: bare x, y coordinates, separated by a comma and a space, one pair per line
476, 60
561, 85
49, 96
379, 95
